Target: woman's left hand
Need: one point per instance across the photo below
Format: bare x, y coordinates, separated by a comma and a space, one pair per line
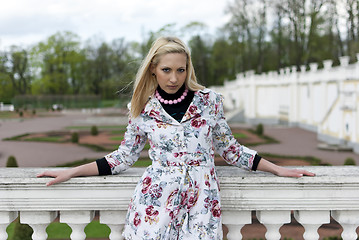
265, 165
292, 172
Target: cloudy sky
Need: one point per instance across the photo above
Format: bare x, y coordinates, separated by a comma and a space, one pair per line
25, 22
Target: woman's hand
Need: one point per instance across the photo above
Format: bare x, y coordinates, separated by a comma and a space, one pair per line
60, 176
291, 172
267, 166
89, 169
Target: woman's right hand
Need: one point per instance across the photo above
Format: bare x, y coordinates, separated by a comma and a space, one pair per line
89, 169
60, 176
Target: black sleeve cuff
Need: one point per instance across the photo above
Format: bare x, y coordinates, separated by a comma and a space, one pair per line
103, 167
257, 158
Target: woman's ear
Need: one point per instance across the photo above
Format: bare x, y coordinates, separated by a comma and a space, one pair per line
152, 69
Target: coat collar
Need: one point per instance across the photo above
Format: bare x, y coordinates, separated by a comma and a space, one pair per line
154, 109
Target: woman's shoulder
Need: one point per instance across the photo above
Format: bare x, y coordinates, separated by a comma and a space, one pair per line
210, 94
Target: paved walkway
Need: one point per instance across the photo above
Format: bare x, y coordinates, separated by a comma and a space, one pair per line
40, 154
293, 141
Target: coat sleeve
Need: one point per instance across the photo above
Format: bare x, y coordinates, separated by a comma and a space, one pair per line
226, 145
129, 150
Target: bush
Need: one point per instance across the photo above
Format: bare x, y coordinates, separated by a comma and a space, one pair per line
11, 162
34, 112
259, 129
21, 113
94, 131
349, 161
75, 137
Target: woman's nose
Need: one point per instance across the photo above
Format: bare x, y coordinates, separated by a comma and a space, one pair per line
173, 78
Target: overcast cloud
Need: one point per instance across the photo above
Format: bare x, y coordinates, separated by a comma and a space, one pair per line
25, 22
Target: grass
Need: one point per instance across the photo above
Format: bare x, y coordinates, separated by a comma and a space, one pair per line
119, 127
117, 138
312, 160
239, 135
46, 139
57, 230
141, 162
7, 114
18, 137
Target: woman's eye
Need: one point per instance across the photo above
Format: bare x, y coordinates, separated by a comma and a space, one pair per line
166, 69
181, 70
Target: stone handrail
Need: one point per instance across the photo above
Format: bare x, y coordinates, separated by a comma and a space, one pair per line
333, 192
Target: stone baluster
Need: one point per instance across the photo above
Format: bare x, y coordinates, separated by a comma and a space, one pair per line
349, 220
313, 67
311, 221
273, 220
303, 68
77, 221
5, 219
327, 64
235, 220
38, 221
344, 61
115, 220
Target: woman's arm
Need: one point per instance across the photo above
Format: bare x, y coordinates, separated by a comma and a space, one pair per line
267, 166
89, 169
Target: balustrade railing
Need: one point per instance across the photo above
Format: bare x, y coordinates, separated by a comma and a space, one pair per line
334, 192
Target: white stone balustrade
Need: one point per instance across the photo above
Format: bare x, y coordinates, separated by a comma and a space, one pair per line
316, 99
333, 192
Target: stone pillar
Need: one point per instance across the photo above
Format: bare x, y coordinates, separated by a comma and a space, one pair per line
38, 221
235, 220
77, 221
5, 219
311, 221
349, 220
115, 220
273, 220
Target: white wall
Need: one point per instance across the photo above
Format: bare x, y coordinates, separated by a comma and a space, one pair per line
322, 100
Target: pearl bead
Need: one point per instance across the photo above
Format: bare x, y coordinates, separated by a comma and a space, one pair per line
180, 99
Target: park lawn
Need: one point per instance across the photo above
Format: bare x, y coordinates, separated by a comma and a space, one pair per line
117, 127
141, 162
46, 139
7, 114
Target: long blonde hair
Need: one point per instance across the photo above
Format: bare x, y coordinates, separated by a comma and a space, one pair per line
145, 84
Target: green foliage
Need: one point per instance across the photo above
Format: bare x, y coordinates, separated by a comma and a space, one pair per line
349, 161
67, 101
75, 137
21, 113
94, 131
22, 231
11, 162
259, 129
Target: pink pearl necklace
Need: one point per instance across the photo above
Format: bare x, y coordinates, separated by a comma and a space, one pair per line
178, 100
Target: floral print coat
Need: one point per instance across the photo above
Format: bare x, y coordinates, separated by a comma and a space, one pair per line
178, 195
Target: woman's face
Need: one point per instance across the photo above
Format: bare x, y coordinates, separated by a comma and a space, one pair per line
171, 71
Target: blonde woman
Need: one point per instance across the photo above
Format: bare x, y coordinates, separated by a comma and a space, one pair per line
178, 195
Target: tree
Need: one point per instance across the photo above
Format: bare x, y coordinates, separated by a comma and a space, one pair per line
6, 89
223, 61
352, 11
15, 74
60, 61
312, 44
248, 30
200, 58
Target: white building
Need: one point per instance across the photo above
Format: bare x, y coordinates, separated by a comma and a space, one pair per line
322, 100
